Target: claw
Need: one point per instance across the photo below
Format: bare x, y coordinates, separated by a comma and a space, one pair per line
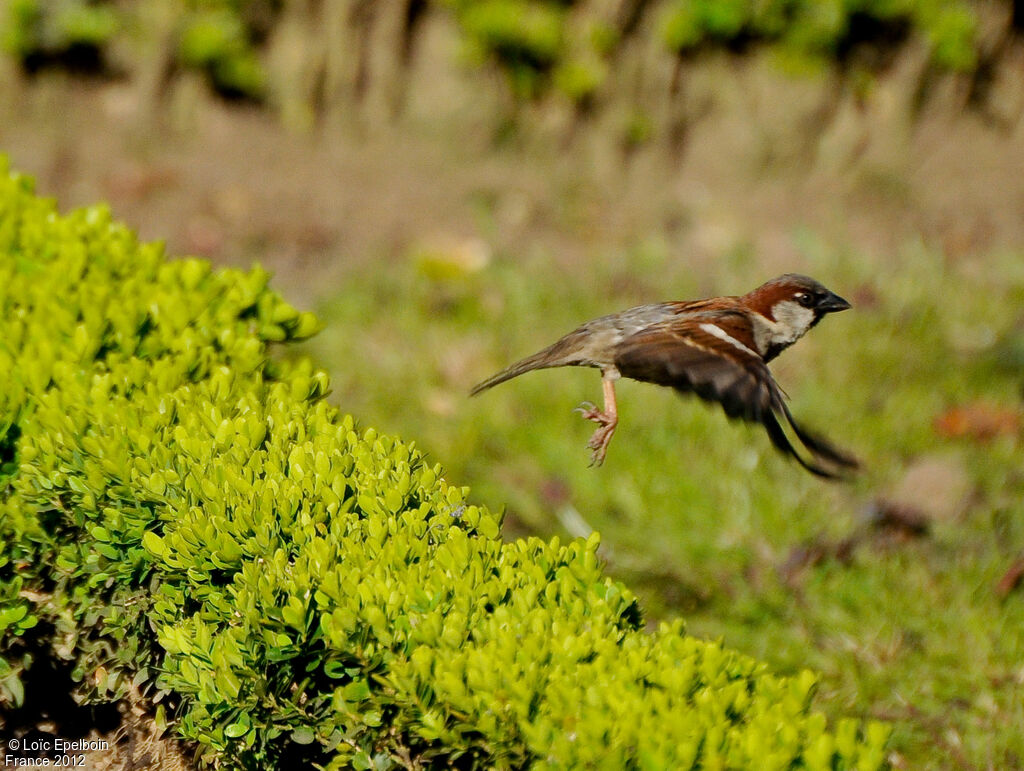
591, 412
599, 443
595, 441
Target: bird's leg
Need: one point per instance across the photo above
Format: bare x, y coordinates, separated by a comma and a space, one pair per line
607, 419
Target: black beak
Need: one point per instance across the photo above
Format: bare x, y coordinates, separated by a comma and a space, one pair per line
832, 303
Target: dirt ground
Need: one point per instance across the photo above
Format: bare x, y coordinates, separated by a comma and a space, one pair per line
764, 158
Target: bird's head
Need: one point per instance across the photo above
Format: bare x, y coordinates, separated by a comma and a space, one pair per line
789, 306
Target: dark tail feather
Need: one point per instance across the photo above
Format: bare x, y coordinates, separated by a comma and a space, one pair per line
819, 448
780, 440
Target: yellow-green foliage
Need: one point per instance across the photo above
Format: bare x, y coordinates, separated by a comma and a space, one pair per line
181, 516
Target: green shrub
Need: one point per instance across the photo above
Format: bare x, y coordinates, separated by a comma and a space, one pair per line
36, 27
216, 41
524, 38
215, 37
184, 517
813, 29
539, 46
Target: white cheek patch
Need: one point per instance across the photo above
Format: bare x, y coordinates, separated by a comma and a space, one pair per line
721, 334
792, 320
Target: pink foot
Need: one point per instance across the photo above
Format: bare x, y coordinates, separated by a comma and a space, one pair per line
603, 436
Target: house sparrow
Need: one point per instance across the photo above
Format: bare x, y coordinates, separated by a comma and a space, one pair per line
717, 348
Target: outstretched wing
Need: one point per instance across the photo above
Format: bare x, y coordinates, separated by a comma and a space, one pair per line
715, 358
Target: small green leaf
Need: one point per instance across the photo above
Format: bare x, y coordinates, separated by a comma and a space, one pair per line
356, 691
154, 543
236, 730
488, 527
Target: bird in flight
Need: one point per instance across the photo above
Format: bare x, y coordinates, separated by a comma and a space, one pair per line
718, 348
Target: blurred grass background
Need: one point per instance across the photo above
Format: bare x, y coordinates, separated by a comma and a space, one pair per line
452, 185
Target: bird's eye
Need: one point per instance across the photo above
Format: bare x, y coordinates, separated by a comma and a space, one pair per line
805, 299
